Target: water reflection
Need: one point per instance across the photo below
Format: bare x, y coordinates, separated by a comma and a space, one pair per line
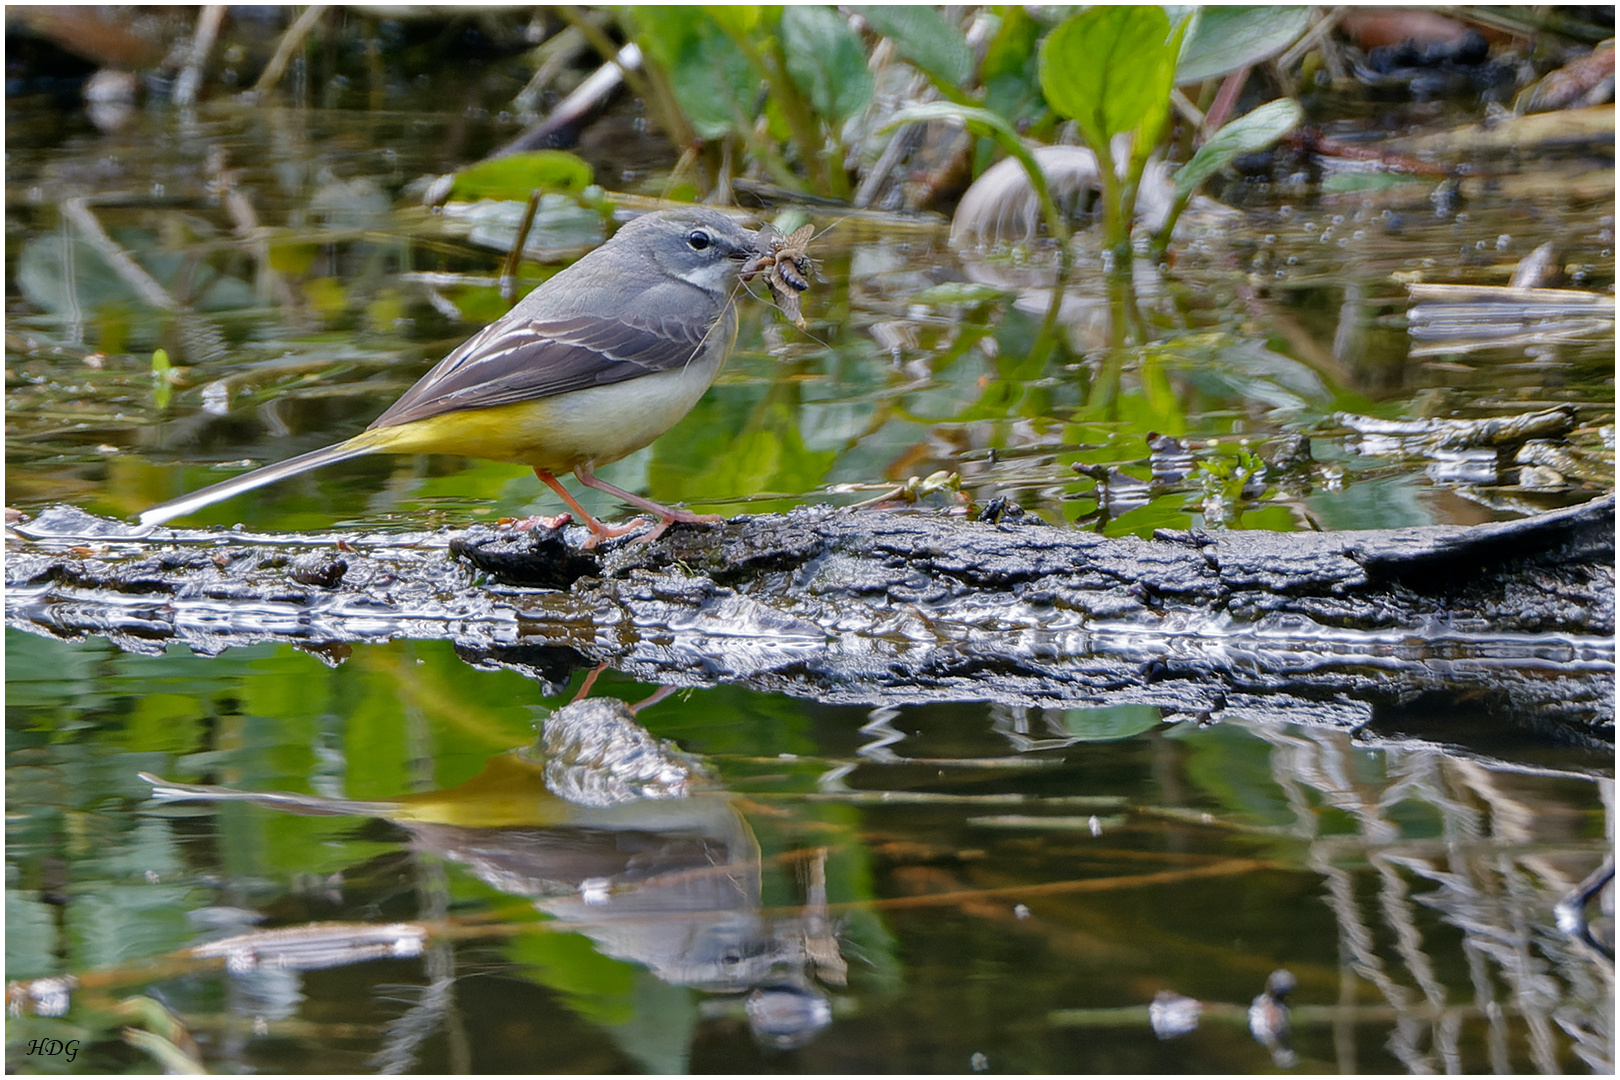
729, 881
614, 834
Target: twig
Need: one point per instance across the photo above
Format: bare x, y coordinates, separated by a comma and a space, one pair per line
1223, 868
558, 51
514, 258
588, 96
77, 210
202, 43
290, 42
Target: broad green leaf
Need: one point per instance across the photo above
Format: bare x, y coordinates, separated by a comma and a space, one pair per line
1224, 39
827, 61
596, 986
923, 37
736, 19
1252, 131
516, 175
1157, 113
665, 31
714, 84
1105, 68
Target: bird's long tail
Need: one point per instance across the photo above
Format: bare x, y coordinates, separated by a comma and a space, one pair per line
207, 496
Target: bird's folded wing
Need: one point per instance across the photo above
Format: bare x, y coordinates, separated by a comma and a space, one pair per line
511, 362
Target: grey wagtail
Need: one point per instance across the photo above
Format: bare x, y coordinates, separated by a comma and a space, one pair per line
594, 364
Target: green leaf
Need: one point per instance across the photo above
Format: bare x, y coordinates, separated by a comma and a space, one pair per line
1224, 39
1106, 68
30, 937
715, 85
923, 37
737, 19
514, 176
1112, 722
958, 292
1157, 113
1011, 72
978, 121
1252, 131
827, 61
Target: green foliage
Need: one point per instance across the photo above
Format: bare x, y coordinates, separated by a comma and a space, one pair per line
163, 378
1111, 69
1224, 39
1108, 69
1112, 722
922, 36
514, 176
1010, 76
596, 986
30, 937
722, 456
714, 83
1250, 132
827, 61
958, 292
715, 60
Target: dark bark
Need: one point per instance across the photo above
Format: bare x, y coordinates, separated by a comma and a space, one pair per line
1506, 625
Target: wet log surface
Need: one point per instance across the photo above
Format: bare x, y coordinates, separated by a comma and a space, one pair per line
1417, 631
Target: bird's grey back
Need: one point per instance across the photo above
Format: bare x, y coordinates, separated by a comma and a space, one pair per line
616, 314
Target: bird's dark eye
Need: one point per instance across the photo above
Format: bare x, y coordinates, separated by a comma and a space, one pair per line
698, 240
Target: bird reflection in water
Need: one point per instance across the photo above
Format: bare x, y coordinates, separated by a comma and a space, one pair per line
628, 841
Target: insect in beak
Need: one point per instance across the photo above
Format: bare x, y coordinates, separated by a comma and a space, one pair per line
787, 268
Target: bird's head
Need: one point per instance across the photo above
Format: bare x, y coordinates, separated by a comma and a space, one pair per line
702, 247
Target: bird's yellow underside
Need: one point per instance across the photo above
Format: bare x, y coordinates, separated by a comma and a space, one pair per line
583, 427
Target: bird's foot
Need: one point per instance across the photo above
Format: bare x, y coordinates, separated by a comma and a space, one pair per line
685, 517
538, 521
601, 532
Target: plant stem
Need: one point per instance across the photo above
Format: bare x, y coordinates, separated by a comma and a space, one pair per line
806, 128
651, 84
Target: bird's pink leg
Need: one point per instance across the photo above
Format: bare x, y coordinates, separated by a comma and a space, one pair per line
599, 531
667, 515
